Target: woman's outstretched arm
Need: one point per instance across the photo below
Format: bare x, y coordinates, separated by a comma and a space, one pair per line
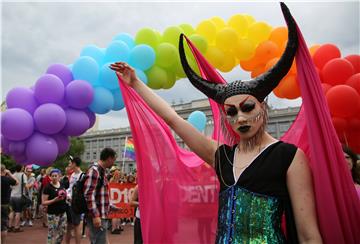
204, 147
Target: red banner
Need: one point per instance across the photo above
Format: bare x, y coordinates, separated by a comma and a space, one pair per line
120, 196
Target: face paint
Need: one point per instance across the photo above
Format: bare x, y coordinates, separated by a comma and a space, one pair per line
246, 107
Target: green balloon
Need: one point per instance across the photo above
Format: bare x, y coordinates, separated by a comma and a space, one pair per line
166, 55
172, 35
157, 77
200, 42
188, 30
147, 36
171, 79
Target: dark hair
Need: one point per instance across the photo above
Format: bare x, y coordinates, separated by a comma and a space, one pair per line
18, 167
76, 160
353, 158
106, 153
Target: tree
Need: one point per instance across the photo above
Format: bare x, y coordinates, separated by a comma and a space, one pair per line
7, 161
77, 148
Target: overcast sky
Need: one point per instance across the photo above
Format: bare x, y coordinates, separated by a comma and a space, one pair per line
37, 34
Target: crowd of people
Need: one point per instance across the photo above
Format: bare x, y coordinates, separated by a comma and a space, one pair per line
47, 195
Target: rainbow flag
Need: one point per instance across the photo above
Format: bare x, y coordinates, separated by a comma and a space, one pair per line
129, 149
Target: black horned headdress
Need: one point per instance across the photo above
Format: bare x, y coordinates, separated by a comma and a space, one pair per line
259, 87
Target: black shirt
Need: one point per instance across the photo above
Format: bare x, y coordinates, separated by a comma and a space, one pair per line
6, 183
57, 207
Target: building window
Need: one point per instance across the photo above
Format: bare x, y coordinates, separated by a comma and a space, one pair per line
284, 127
93, 143
108, 143
101, 143
87, 155
94, 155
271, 128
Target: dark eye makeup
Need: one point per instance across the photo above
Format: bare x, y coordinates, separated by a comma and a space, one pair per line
247, 106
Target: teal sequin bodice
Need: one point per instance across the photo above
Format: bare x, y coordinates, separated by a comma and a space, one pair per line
247, 217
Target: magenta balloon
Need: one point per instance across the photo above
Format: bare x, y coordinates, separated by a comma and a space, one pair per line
92, 117
77, 122
16, 124
63, 143
21, 97
49, 118
61, 71
17, 147
79, 94
49, 89
41, 148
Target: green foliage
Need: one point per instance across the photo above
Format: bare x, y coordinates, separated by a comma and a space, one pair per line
77, 148
7, 161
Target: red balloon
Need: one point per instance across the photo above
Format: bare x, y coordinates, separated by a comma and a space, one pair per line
343, 101
340, 125
355, 61
354, 82
337, 71
326, 87
354, 124
325, 53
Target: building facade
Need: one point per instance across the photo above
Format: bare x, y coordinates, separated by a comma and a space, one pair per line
95, 140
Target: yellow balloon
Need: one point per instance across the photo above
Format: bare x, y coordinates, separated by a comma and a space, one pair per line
250, 19
227, 39
215, 56
147, 36
166, 54
245, 49
199, 42
188, 30
207, 29
239, 23
219, 22
229, 62
259, 32
171, 79
157, 77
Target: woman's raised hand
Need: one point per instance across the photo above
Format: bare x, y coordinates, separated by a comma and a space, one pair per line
126, 72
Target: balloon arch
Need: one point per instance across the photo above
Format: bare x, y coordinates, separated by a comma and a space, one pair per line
63, 102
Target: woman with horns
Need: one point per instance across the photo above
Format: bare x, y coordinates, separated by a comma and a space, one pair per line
260, 177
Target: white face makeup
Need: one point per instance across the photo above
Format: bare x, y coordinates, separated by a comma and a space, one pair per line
244, 113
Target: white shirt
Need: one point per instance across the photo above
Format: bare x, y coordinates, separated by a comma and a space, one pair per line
73, 179
16, 190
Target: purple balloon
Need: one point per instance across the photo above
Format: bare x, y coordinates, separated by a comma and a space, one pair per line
79, 94
20, 159
17, 147
4, 145
61, 71
16, 124
92, 117
62, 142
77, 122
49, 89
41, 149
49, 118
21, 97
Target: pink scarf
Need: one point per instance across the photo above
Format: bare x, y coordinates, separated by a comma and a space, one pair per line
178, 193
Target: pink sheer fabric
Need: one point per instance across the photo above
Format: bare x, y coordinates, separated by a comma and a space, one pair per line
178, 193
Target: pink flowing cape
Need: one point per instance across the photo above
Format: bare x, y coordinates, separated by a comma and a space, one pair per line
178, 192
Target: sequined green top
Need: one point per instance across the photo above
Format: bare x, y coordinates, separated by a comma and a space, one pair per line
251, 209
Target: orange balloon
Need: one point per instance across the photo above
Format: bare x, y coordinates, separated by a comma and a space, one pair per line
249, 65
265, 51
293, 69
271, 63
313, 49
277, 91
290, 87
258, 71
279, 35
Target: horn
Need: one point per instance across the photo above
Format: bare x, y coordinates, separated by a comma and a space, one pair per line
264, 84
210, 89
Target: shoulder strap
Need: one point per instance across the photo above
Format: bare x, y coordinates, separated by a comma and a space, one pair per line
22, 183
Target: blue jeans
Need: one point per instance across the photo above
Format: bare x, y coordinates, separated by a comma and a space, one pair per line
97, 235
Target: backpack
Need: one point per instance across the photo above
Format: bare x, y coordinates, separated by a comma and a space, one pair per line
78, 202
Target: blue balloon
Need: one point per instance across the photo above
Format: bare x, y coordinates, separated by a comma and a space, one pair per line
142, 57
94, 52
118, 100
108, 78
86, 68
198, 120
35, 166
103, 101
116, 51
142, 76
125, 37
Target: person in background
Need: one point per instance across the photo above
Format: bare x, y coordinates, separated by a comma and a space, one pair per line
96, 193
44, 182
7, 180
54, 197
74, 220
39, 178
131, 180
137, 228
351, 159
115, 222
29, 191
15, 199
